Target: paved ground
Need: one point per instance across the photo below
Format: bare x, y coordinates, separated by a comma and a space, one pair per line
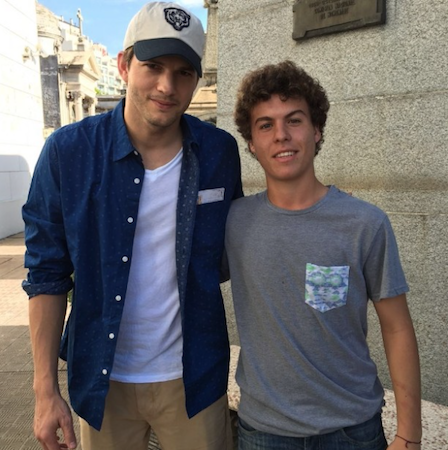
16, 395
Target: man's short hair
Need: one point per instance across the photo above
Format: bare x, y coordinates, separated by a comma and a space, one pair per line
286, 80
128, 54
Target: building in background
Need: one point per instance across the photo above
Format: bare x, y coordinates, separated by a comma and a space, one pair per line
205, 99
69, 70
21, 116
110, 87
203, 103
110, 82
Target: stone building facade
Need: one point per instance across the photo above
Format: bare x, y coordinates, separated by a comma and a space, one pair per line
204, 101
386, 136
70, 70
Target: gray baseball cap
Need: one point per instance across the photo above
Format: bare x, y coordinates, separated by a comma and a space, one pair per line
162, 29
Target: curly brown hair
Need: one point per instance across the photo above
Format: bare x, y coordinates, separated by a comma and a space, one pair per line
286, 80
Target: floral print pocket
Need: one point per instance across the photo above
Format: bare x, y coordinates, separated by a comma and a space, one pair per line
326, 287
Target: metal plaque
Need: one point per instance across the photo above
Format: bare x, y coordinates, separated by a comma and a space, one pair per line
318, 17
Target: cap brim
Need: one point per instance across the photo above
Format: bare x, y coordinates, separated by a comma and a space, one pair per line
154, 48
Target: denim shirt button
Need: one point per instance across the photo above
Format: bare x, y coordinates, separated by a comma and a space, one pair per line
137, 180
130, 219
118, 298
125, 259
111, 335
104, 371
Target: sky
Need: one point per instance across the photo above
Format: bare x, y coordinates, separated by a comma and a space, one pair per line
105, 21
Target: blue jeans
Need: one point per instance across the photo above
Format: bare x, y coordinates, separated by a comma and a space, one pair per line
365, 436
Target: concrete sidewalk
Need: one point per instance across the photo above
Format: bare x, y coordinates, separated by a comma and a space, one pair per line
16, 368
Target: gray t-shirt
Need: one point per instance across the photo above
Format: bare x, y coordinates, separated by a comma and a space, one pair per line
301, 281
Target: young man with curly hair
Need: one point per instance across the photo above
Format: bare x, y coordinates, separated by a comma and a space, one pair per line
304, 260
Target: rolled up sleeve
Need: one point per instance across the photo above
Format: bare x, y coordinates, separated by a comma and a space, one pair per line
47, 256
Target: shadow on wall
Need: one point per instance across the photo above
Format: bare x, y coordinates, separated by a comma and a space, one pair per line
15, 178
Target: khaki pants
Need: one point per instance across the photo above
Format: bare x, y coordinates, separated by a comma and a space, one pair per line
133, 409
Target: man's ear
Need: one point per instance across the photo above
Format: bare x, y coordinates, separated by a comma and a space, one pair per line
251, 147
317, 135
122, 66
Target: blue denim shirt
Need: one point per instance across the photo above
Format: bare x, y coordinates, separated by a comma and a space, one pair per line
80, 218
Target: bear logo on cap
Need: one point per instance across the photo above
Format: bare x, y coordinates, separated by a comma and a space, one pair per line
177, 18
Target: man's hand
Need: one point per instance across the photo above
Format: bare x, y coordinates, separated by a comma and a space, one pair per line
50, 415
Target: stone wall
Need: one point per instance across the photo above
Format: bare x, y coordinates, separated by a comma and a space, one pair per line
21, 117
386, 137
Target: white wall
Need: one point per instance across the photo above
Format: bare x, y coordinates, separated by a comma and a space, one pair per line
21, 117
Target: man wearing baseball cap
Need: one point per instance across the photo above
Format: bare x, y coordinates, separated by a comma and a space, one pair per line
129, 208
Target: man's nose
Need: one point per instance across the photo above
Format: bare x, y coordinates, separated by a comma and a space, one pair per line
166, 83
281, 132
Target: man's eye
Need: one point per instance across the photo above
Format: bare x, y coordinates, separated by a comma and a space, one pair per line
294, 121
152, 66
265, 126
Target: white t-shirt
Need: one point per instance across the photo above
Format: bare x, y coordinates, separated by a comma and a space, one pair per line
149, 347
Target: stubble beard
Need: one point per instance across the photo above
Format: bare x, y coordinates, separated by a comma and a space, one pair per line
154, 119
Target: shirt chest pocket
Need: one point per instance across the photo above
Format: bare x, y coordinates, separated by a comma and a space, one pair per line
326, 287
